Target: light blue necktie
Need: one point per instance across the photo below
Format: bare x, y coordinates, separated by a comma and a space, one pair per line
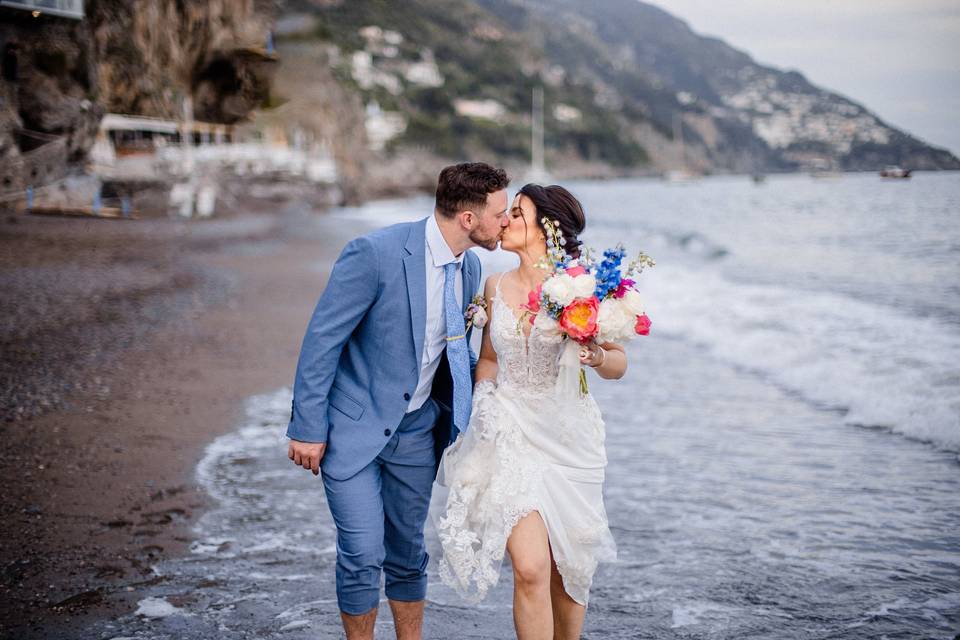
457, 352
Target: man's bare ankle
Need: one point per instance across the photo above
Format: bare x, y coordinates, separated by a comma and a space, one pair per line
408, 619
359, 627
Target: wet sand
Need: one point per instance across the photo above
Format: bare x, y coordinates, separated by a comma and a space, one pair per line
127, 347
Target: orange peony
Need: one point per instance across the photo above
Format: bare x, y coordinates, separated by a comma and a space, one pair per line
579, 318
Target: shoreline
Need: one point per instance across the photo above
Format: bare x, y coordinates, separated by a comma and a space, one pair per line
704, 420
138, 415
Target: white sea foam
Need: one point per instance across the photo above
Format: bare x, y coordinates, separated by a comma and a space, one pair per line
699, 612
881, 366
296, 624
238, 470
301, 608
260, 430
157, 608
935, 606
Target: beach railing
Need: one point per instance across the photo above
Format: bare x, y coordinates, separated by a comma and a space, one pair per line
43, 164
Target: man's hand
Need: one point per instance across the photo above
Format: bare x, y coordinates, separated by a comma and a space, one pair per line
307, 454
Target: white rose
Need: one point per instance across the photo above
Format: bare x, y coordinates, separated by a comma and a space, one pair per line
480, 318
615, 321
584, 285
546, 325
632, 302
559, 289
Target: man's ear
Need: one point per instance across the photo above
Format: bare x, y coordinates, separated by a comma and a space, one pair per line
466, 218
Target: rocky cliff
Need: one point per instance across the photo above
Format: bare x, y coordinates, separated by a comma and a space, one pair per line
128, 56
737, 114
628, 89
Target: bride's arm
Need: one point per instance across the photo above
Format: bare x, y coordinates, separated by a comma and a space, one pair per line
609, 359
487, 361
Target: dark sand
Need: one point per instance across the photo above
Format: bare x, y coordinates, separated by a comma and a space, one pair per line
127, 346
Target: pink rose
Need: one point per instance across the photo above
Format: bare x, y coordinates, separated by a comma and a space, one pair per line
579, 319
578, 270
643, 325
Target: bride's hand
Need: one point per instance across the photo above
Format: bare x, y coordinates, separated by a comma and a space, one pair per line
592, 354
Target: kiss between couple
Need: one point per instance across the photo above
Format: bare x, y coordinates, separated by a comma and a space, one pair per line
389, 397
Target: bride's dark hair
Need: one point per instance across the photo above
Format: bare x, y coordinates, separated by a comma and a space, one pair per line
560, 206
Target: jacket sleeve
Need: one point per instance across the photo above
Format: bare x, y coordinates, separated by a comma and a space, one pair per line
350, 292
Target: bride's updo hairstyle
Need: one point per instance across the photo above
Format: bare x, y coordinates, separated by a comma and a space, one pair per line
559, 205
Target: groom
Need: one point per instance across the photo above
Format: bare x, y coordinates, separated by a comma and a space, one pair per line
384, 384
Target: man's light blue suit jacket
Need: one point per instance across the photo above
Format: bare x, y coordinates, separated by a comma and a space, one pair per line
360, 360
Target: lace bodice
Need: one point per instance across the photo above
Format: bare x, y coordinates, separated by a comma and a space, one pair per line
526, 363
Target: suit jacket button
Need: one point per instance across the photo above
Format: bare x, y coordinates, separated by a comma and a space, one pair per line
386, 432
406, 396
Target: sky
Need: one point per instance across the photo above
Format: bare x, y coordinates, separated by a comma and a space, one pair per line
898, 58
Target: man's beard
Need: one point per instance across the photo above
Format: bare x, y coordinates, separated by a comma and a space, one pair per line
482, 241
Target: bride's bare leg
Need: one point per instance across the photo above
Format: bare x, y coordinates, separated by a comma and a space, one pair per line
529, 549
567, 613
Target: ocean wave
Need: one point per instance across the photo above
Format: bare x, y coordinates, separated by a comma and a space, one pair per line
688, 242
879, 366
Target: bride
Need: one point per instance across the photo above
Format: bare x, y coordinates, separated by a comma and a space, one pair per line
527, 476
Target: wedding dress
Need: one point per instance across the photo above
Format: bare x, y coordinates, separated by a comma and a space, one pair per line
534, 444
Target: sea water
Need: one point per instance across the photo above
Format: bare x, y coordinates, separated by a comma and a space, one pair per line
783, 451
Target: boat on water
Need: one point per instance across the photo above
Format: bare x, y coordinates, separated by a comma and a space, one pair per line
680, 176
826, 174
895, 172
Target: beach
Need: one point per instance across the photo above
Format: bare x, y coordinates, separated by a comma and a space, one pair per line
177, 180
783, 451
135, 344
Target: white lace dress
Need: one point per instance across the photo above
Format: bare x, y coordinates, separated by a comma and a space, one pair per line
532, 445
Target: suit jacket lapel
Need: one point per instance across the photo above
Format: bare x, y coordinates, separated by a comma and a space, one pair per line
414, 268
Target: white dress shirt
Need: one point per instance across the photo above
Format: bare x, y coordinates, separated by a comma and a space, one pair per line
437, 254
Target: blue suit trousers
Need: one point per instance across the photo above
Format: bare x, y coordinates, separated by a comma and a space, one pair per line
380, 514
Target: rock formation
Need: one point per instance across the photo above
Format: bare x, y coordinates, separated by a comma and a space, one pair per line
142, 57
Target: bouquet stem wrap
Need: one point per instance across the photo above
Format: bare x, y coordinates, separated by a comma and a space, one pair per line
571, 381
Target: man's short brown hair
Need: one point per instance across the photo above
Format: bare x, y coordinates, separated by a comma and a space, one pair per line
466, 186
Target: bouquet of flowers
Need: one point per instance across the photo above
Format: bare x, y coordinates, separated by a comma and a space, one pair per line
587, 298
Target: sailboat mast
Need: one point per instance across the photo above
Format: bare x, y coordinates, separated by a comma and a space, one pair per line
678, 136
537, 132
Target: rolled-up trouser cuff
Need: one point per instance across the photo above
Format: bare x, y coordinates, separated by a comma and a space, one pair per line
361, 595
406, 590
358, 604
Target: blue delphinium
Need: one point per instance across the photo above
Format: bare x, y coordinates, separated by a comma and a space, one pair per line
608, 271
